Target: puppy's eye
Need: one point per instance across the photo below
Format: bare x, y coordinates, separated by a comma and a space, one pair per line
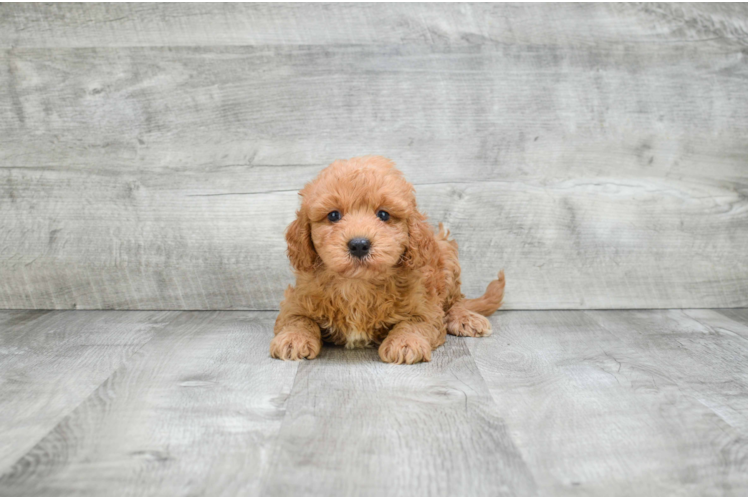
333, 216
383, 215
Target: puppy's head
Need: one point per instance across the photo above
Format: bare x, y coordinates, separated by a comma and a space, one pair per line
359, 219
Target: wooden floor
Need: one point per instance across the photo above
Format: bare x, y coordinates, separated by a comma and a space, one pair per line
650, 402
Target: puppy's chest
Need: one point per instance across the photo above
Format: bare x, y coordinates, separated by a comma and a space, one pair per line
358, 317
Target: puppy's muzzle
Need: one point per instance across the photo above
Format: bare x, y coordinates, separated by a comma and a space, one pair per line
359, 247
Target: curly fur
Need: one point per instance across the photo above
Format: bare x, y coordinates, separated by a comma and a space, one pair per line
405, 295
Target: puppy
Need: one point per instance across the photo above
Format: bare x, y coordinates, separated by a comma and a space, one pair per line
370, 270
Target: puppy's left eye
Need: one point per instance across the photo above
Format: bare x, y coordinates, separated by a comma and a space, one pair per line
383, 215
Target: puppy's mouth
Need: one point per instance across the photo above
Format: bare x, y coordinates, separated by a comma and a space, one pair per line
360, 262
364, 265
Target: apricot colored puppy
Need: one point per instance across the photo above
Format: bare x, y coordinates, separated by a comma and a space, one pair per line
370, 270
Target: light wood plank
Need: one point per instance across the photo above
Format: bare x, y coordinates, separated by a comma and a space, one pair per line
146, 177
50, 362
16, 324
191, 414
143, 241
356, 426
608, 402
554, 403
716, 371
739, 315
107, 25
447, 113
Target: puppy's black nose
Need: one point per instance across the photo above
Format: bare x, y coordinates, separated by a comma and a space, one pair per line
359, 247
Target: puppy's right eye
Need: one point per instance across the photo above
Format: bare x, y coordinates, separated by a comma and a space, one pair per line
333, 216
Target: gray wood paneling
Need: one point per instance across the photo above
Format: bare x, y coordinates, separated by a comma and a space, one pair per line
150, 241
130, 25
149, 154
193, 413
623, 402
445, 113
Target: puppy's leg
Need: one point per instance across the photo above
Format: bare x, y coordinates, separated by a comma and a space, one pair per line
459, 320
296, 338
409, 343
463, 322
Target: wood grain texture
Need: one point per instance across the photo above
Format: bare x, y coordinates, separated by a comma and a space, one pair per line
554, 403
146, 241
149, 154
130, 25
191, 414
623, 402
722, 382
355, 426
447, 113
739, 315
50, 362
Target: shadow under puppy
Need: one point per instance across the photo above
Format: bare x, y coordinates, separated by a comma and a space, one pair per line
370, 269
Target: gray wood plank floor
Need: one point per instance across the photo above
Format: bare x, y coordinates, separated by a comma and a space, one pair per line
648, 402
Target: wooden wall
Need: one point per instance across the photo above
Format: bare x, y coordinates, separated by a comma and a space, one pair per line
150, 154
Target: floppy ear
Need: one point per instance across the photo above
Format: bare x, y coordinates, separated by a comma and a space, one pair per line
421, 243
300, 247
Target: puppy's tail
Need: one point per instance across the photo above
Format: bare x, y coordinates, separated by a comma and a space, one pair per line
491, 300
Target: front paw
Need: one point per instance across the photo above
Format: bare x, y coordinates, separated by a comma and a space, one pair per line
466, 323
292, 345
406, 348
